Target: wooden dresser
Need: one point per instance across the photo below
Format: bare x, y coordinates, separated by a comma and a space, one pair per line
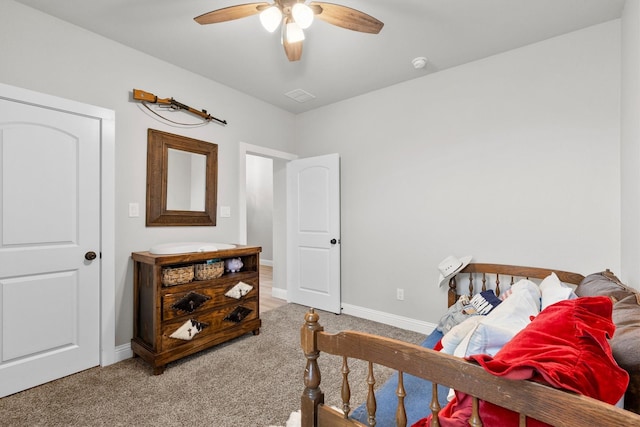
199, 314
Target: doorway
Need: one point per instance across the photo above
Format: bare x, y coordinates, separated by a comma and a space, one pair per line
279, 253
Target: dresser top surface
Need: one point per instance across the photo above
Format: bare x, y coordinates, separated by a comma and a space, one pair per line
164, 259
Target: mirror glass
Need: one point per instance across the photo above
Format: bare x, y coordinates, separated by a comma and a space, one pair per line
186, 184
182, 177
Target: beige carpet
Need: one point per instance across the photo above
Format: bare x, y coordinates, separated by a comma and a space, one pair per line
250, 381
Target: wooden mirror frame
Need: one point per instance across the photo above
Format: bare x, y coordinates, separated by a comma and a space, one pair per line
158, 144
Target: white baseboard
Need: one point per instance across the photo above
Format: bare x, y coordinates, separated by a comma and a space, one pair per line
389, 319
123, 352
266, 262
279, 293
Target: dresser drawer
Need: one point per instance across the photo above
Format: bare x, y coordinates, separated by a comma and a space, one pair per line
214, 322
201, 299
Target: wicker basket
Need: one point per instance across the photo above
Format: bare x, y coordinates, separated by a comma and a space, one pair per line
209, 271
172, 276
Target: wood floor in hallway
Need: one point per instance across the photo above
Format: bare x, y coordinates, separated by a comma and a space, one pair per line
267, 301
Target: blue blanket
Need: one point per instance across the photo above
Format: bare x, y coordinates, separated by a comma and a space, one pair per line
416, 402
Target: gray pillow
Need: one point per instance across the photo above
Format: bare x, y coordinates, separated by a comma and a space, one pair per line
604, 283
625, 344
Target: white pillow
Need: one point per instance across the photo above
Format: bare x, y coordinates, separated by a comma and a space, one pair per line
553, 291
507, 319
452, 339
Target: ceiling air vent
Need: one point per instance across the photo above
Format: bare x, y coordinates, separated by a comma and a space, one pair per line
300, 95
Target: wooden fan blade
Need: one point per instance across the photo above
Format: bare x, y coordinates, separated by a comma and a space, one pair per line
293, 50
348, 18
230, 13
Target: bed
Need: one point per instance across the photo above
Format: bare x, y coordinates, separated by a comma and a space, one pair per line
484, 393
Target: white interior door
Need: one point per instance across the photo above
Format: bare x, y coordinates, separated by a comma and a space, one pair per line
313, 236
49, 225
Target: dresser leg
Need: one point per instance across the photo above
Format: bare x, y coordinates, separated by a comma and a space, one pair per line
256, 332
158, 370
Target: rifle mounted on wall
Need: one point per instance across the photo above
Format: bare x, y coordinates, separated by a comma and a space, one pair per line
141, 95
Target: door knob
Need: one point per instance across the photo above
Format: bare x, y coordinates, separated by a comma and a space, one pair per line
333, 241
90, 256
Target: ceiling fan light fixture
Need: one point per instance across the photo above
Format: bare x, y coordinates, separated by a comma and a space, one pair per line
302, 14
270, 18
293, 16
294, 33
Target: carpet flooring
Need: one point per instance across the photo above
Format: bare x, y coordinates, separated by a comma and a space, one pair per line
249, 381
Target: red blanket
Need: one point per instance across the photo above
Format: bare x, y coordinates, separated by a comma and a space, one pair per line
566, 346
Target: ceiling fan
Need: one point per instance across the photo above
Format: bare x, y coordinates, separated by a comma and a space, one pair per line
295, 16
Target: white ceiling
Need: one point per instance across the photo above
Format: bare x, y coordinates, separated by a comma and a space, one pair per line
336, 63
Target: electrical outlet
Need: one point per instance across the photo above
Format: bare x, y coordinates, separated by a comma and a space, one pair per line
400, 294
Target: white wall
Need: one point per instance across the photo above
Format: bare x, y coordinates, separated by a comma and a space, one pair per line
630, 143
45, 54
512, 159
260, 205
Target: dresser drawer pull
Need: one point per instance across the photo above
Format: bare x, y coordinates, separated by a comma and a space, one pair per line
238, 314
188, 330
190, 302
239, 290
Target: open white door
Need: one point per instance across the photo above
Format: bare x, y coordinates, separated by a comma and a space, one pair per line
313, 232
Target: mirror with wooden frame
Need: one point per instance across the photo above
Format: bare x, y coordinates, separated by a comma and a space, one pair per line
182, 180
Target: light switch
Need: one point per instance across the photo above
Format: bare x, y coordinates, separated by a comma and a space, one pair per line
225, 211
134, 210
